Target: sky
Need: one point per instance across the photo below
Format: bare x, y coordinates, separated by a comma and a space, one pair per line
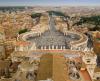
49, 2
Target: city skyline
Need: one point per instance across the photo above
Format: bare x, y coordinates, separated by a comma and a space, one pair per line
49, 2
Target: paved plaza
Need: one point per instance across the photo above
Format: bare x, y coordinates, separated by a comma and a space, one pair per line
52, 38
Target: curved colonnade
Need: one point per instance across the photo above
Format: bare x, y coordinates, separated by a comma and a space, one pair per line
79, 44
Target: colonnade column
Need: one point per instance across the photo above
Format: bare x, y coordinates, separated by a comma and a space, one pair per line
56, 47
61, 47
44, 47
53, 47
41, 47
49, 47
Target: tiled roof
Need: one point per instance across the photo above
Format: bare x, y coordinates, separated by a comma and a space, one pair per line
60, 70
22, 43
4, 64
85, 75
45, 68
97, 69
53, 66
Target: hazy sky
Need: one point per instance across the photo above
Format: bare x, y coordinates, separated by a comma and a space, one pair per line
48, 2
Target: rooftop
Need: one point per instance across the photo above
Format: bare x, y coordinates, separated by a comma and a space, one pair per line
4, 64
97, 69
53, 66
45, 68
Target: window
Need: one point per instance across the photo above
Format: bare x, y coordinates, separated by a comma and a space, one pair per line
98, 78
88, 61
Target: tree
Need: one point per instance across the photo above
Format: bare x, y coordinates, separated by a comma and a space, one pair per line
35, 15
23, 31
94, 20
